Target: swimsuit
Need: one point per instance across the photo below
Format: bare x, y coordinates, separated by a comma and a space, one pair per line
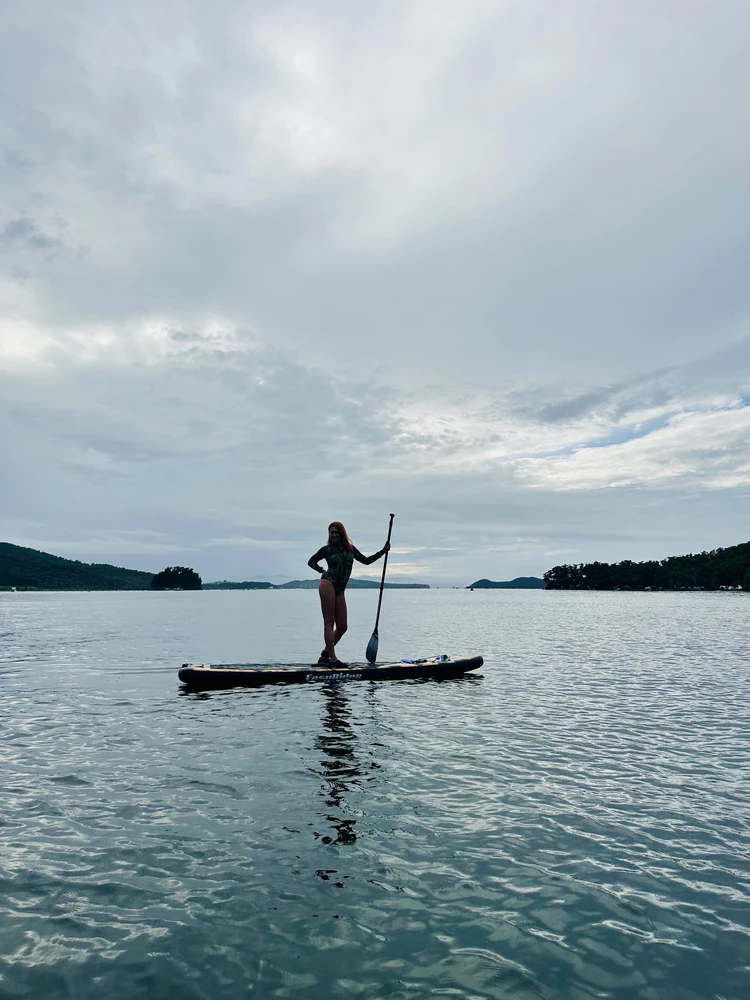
340, 564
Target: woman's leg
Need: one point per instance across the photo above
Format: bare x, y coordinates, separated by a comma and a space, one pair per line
328, 607
340, 618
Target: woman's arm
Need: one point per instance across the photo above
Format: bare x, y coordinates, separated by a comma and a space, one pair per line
367, 560
313, 561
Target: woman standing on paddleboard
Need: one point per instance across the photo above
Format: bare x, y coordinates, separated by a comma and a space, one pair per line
340, 554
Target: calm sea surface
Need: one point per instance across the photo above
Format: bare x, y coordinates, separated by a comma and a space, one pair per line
573, 823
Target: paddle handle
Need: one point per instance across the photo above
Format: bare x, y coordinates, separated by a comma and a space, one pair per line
382, 578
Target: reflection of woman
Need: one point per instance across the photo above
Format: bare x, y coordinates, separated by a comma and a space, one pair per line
340, 554
340, 765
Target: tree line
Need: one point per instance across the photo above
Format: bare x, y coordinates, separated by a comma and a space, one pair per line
31, 569
176, 578
720, 568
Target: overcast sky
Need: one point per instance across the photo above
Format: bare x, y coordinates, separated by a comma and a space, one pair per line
482, 264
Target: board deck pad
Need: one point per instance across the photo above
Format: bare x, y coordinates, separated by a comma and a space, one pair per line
212, 676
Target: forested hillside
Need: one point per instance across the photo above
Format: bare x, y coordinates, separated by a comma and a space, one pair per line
29, 568
720, 568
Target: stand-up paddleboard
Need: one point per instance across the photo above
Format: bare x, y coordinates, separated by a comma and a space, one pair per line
207, 676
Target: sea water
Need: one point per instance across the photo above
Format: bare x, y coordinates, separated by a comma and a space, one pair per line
573, 821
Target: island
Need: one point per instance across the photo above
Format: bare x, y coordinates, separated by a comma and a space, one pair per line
309, 585
520, 583
719, 569
23, 568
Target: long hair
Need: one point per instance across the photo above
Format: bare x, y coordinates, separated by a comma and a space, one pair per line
346, 542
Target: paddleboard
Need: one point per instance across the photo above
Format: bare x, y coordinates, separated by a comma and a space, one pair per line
212, 676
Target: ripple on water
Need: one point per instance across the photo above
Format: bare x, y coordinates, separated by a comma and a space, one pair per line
573, 823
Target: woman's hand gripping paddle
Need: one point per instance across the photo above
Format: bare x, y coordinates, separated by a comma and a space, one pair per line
372, 645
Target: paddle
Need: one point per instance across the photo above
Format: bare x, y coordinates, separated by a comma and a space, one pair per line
372, 645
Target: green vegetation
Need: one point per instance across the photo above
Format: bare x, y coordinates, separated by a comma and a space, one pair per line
715, 570
176, 578
30, 569
520, 583
230, 585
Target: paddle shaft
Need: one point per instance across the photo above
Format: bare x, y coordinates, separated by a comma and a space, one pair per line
382, 578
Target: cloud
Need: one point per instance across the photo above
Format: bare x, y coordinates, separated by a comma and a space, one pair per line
410, 171
707, 449
24, 233
263, 265
238, 454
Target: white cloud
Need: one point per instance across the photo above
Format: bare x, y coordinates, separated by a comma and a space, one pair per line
706, 449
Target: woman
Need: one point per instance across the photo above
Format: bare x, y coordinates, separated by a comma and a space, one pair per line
339, 553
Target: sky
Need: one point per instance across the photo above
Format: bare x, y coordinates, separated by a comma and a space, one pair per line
480, 264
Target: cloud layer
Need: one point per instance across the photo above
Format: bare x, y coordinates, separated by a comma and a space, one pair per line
483, 264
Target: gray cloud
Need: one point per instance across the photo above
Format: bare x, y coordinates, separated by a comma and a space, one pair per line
263, 265
24, 233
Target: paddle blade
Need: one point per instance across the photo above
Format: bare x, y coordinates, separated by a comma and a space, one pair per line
372, 648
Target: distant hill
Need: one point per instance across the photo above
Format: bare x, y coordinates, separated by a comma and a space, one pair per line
352, 585
31, 569
720, 569
520, 583
310, 585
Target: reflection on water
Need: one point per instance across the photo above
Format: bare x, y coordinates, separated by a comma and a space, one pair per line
340, 764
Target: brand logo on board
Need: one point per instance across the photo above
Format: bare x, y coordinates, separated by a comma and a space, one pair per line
348, 676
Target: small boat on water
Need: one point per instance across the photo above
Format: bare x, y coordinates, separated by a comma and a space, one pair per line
214, 676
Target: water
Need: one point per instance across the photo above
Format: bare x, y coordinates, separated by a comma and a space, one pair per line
573, 823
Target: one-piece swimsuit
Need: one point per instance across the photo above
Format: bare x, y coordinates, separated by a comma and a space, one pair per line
339, 564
